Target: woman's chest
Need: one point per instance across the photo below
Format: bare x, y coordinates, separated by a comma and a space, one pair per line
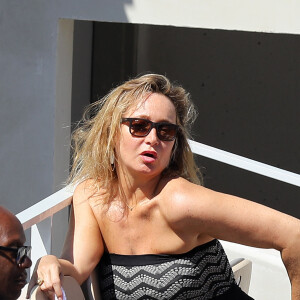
138, 232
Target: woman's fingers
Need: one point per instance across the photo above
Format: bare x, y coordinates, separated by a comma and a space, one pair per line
51, 283
56, 285
48, 293
58, 291
47, 275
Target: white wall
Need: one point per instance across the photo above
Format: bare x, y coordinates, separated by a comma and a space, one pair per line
32, 157
266, 16
28, 74
28, 39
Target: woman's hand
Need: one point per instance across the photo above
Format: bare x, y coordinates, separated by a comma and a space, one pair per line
48, 272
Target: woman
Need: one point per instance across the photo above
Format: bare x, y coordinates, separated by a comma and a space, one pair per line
140, 209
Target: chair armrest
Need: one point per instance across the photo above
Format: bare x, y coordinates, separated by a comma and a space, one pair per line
90, 287
242, 269
71, 287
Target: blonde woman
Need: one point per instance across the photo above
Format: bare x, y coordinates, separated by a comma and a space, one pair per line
140, 209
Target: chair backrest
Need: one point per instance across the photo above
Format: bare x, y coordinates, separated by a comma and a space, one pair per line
242, 269
71, 288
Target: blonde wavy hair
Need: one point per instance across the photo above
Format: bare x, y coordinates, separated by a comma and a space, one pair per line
94, 139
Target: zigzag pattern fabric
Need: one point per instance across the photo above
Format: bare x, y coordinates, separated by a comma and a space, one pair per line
202, 273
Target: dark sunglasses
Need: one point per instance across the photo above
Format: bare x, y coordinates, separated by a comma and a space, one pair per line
142, 127
20, 252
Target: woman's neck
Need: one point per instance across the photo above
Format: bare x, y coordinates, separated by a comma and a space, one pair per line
138, 189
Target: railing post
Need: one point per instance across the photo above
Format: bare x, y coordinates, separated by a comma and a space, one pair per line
41, 236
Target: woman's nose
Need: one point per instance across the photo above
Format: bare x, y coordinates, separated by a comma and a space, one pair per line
152, 137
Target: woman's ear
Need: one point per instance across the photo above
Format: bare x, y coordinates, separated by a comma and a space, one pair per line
112, 158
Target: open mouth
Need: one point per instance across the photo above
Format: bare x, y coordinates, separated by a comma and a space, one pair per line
150, 154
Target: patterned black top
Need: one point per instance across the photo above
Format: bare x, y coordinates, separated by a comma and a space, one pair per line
202, 273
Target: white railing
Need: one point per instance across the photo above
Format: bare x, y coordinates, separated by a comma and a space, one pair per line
245, 163
269, 279
39, 218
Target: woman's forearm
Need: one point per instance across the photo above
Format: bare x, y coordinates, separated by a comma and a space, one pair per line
68, 269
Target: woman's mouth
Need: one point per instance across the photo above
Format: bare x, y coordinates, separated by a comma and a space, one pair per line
149, 156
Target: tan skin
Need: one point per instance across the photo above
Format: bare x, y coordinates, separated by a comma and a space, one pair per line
170, 215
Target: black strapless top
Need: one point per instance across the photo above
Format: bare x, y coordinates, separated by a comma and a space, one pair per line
202, 273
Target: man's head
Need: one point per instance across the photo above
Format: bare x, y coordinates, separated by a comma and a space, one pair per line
13, 260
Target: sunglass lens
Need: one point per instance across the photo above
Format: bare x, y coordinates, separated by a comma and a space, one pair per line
167, 132
140, 127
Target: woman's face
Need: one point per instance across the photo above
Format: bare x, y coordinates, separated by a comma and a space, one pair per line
146, 155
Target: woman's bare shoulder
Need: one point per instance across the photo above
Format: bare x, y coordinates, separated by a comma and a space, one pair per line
85, 191
84, 188
179, 187
177, 195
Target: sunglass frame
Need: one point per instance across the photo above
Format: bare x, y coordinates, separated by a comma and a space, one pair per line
156, 125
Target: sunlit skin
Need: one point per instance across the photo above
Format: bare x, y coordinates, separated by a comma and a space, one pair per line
168, 215
12, 276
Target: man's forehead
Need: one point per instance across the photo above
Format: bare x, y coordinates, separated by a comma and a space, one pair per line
11, 230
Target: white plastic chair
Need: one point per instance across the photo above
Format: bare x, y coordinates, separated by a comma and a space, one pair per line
242, 269
90, 287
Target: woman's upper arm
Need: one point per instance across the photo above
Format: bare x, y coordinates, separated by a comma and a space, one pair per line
83, 246
235, 219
